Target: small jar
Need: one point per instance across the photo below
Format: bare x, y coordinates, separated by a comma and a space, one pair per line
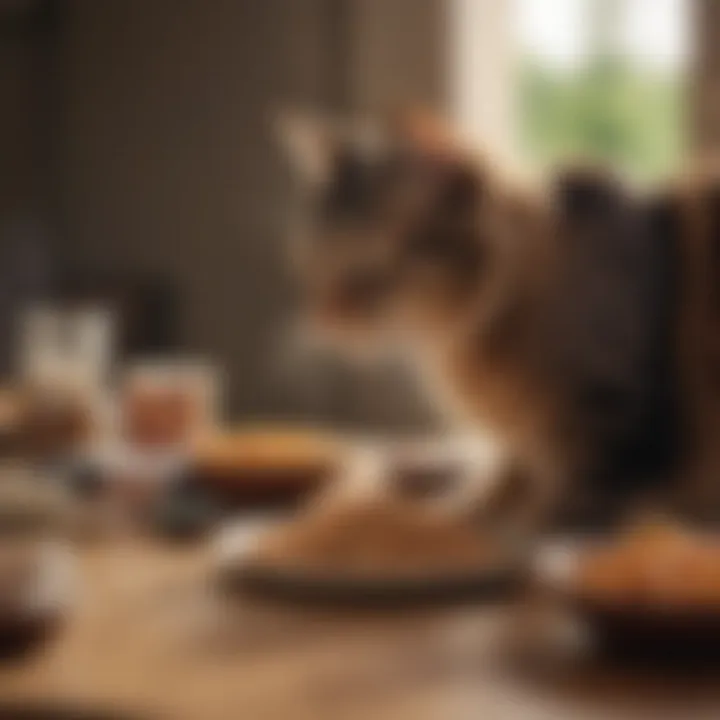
166, 404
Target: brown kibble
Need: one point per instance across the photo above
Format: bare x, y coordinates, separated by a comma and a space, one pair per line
377, 536
655, 566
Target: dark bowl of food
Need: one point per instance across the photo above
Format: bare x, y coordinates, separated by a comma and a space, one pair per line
266, 466
652, 593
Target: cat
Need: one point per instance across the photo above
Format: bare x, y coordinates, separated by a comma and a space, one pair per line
495, 289
687, 220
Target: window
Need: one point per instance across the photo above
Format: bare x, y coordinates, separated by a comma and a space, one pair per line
603, 79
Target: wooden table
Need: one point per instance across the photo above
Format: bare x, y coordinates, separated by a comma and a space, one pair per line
149, 639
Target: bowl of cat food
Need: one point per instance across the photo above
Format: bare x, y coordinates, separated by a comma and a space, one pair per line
653, 591
266, 465
370, 540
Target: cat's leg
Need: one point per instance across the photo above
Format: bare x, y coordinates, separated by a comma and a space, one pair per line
504, 492
488, 475
518, 494
539, 492
548, 486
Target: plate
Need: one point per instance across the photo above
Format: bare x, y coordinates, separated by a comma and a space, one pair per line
237, 573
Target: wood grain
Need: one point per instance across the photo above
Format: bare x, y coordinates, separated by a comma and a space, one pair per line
149, 639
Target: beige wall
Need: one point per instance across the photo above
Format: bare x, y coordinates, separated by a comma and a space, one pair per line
169, 164
397, 53
482, 58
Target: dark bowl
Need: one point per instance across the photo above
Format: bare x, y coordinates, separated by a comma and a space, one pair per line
662, 635
647, 631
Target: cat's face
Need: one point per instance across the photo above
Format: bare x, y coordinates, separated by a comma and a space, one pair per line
391, 236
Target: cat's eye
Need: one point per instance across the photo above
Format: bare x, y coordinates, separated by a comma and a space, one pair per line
351, 192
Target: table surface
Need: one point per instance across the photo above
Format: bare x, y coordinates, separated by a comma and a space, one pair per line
149, 638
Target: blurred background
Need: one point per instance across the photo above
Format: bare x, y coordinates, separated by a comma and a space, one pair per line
137, 162
607, 79
147, 330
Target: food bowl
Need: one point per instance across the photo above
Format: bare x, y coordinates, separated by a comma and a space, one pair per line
254, 466
366, 553
653, 597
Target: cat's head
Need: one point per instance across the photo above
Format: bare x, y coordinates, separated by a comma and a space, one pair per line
400, 228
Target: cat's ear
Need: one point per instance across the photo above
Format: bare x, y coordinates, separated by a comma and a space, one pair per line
307, 140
